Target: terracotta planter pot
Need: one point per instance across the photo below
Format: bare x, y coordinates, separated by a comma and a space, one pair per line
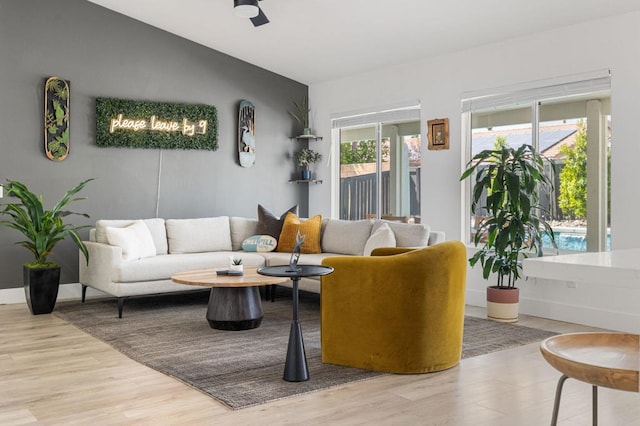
41, 288
502, 303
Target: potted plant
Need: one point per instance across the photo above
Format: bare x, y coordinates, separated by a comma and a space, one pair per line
300, 115
43, 230
305, 158
236, 265
505, 195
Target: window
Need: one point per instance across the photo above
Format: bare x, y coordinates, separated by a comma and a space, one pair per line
379, 159
568, 121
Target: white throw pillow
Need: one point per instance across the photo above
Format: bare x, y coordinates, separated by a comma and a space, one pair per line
408, 234
156, 227
381, 237
135, 240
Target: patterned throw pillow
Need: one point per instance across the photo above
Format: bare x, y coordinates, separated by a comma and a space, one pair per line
259, 243
269, 224
310, 228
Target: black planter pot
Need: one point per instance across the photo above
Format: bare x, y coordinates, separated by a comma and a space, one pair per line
41, 288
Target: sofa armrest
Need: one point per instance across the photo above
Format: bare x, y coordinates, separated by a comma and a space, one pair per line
102, 259
436, 237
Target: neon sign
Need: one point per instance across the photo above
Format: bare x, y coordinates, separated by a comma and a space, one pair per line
144, 124
155, 124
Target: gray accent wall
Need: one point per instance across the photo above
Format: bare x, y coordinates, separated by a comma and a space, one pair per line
104, 54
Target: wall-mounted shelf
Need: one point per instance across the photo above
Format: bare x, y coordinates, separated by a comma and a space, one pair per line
307, 138
305, 181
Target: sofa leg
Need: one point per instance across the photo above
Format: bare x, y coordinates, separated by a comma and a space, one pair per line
120, 305
84, 292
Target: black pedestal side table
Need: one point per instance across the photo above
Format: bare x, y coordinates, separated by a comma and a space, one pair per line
295, 368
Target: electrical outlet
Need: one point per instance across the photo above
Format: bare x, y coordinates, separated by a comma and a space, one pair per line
572, 284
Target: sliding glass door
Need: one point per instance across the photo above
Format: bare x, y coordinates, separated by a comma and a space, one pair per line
380, 171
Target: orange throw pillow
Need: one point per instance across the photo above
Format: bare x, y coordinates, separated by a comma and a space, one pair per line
310, 228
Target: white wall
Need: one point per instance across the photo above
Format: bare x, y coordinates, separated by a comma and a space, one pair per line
611, 43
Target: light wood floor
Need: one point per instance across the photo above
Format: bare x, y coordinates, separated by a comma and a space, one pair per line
52, 373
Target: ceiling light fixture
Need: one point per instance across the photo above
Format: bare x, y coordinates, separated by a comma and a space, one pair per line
246, 8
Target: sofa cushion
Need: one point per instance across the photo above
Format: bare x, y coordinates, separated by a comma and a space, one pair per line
199, 235
135, 240
163, 267
346, 236
269, 224
156, 227
259, 243
310, 228
381, 237
241, 229
407, 234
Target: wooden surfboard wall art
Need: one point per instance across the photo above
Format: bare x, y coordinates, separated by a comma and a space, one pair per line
246, 134
56, 118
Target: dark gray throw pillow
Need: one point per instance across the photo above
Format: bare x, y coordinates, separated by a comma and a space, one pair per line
269, 224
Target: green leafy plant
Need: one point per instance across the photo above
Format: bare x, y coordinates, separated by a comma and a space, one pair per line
43, 229
307, 156
572, 199
511, 180
301, 111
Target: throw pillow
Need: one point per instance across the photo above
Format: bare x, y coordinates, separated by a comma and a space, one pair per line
381, 237
269, 224
310, 228
135, 240
259, 243
408, 234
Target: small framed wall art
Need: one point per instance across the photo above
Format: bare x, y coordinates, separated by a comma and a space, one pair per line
438, 133
56, 118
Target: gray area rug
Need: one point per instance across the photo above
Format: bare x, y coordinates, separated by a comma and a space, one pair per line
170, 334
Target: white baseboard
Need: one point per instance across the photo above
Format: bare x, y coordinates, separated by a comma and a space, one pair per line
71, 291
585, 315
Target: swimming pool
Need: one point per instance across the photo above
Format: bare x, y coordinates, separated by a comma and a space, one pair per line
572, 239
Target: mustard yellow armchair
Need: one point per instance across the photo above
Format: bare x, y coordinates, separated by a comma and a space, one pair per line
398, 310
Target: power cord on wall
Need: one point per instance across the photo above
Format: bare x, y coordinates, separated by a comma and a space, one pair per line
159, 179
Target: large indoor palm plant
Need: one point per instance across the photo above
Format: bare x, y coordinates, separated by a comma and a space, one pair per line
510, 222
43, 230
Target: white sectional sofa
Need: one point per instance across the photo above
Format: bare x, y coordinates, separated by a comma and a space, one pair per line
136, 265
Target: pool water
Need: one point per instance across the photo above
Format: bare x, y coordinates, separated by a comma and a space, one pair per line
570, 241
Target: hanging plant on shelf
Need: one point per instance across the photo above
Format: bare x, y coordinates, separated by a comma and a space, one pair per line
300, 115
56, 118
305, 158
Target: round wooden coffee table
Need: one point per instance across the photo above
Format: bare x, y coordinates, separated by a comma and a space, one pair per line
234, 301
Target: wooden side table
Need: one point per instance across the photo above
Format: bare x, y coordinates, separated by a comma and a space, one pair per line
296, 369
611, 360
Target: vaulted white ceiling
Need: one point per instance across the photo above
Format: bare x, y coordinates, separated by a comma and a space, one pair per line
317, 40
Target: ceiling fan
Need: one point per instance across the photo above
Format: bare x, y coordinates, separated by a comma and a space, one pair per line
250, 9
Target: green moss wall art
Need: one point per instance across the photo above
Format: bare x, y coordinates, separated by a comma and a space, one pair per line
141, 124
56, 118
